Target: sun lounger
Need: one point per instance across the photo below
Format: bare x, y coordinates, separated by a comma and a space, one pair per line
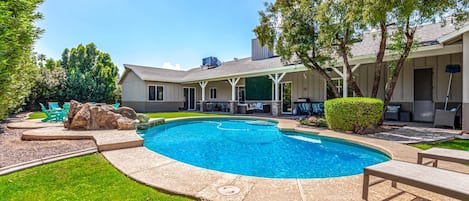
445, 182
457, 156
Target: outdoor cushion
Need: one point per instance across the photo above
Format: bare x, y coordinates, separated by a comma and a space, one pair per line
393, 108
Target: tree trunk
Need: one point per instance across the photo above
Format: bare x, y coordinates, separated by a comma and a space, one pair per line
350, 79
395, 76
311, 64
326, 77
379, 60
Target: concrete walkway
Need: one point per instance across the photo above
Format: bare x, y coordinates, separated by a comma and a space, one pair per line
417, 133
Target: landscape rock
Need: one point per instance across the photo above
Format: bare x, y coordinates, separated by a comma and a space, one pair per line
142, 118
312, 119
127, 112
125, 123
97, 117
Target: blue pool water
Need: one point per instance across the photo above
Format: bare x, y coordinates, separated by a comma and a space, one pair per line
258, 148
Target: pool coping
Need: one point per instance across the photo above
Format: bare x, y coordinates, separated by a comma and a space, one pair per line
166, 174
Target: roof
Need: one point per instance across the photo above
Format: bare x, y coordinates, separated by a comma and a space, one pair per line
155, 74
430, 32
369, 46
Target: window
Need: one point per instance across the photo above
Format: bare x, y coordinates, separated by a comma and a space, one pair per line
241, 94
213, 93
339, 84
151, 93
155, 93
159, 92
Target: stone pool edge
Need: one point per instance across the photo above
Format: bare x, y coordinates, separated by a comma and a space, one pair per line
175, 177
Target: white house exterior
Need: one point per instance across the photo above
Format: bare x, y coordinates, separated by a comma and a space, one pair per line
421, 88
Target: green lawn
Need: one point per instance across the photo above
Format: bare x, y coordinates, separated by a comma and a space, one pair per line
42, 115
453, 144
168, 115
88, 177
37, 115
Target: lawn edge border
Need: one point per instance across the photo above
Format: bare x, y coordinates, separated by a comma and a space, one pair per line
48, 159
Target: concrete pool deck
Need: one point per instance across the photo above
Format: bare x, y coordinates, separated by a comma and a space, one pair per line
169, 175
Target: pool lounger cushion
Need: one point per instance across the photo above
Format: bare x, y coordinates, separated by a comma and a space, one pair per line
445, 182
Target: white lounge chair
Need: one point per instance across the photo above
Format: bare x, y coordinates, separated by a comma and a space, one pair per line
445, 182
457, 156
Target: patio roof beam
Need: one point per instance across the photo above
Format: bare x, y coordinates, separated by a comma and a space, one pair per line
203, 84
344, 74
276, 79
233, 82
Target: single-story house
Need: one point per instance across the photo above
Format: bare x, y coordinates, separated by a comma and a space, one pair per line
422, 86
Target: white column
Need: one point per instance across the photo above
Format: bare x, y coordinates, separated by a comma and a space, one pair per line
465, 83
233, 82
276, 79
275, 104
203, 84
344, 82
343, 74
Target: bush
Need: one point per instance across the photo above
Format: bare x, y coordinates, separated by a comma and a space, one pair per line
353, 114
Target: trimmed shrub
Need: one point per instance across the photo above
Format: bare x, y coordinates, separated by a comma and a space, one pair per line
353, 114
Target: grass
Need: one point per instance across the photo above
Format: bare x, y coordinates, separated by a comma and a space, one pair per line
88, 177
37, 115
452, 144
168, 115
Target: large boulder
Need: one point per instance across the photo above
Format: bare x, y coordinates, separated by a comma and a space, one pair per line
96, 117
81, 119
125, 123
127, 112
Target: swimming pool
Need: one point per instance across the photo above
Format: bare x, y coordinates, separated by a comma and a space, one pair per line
258, 148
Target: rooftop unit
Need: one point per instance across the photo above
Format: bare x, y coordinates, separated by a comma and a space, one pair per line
258, 52
210, 62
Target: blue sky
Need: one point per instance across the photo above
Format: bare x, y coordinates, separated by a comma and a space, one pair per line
170, 33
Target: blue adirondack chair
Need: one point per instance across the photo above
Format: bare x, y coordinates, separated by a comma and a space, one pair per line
52, 115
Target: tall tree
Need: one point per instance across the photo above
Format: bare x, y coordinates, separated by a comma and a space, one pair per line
17, 35
398, 21
91, 75
289, 27
49, 85
340, 24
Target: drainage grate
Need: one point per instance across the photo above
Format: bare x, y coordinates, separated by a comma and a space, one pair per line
228, 190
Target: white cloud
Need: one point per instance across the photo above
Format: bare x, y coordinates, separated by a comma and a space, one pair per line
168, 65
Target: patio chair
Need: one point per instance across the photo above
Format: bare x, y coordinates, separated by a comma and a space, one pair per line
392, 112
54, 105
255, 107
52, 115
225, 107
304, 108
445, 182
64, 113
445, 117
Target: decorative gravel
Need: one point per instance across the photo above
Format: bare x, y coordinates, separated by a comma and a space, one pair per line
13, 150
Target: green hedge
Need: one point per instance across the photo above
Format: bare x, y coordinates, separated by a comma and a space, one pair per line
353, 114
